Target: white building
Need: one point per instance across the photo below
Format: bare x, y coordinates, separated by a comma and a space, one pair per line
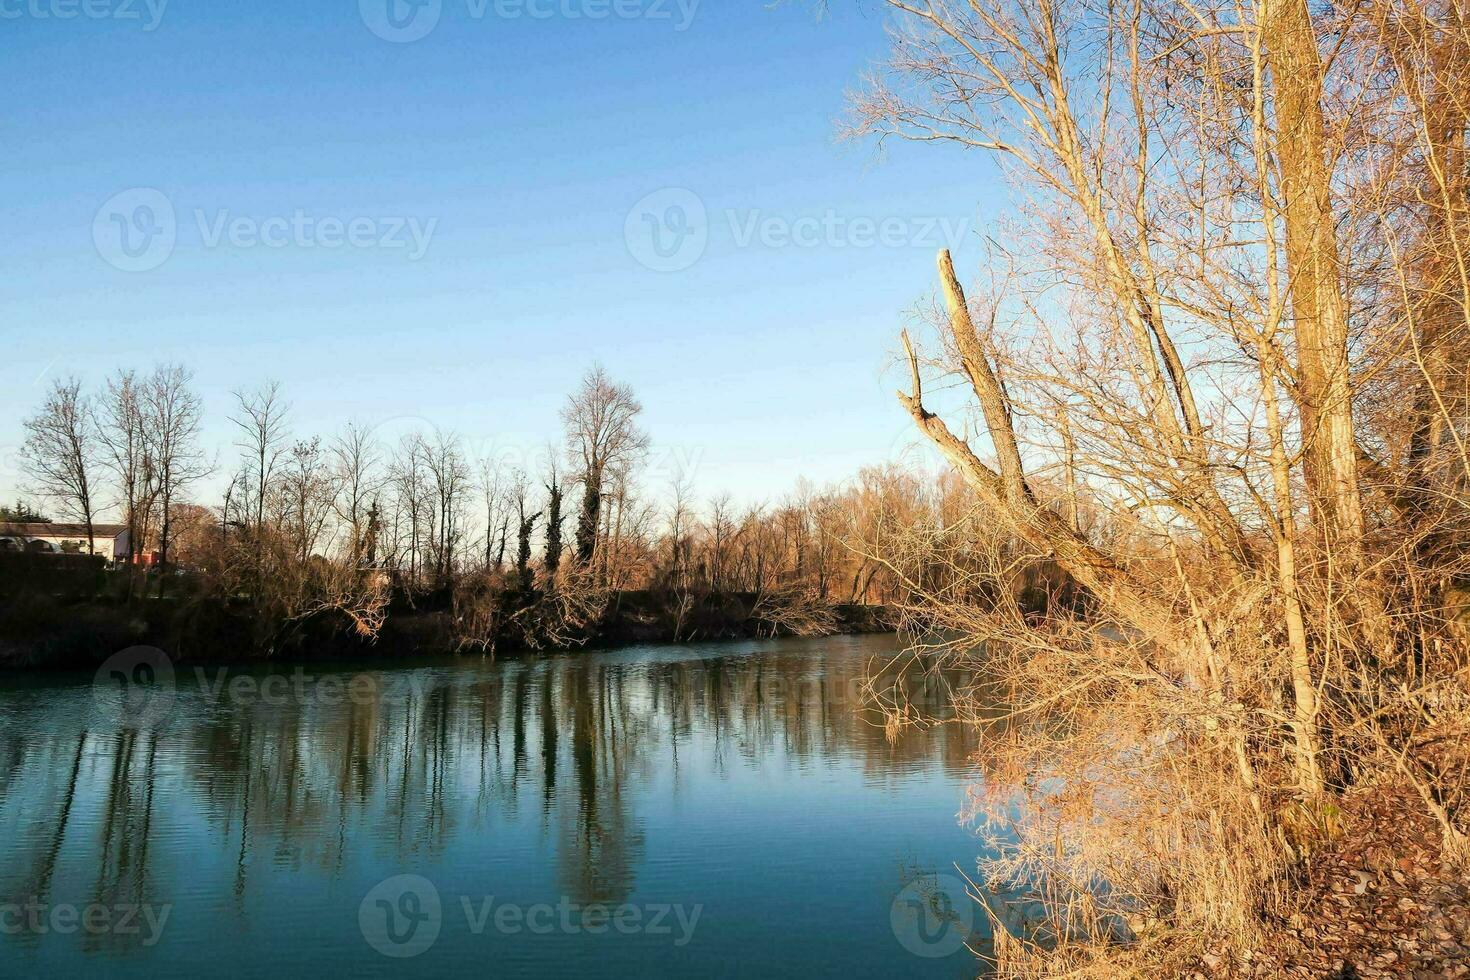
109, 540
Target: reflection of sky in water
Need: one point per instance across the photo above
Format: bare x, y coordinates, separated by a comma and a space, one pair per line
739, 777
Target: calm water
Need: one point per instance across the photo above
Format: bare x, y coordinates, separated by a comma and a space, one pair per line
720, 810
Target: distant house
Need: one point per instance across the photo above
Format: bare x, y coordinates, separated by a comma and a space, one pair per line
109, 540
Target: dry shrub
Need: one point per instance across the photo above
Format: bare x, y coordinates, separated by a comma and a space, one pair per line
795, 612
1146, 816
490, 611
1111, 801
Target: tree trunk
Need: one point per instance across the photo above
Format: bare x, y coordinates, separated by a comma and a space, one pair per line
587, 519
1006, 492
1318, 309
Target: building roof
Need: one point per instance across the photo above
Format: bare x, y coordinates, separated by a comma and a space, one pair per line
53, 530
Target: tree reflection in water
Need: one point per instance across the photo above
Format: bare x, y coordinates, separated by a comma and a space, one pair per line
432, 755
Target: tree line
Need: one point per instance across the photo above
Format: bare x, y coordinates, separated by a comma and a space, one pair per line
347, 520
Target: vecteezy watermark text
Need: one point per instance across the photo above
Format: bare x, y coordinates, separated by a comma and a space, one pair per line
402, 916
138, 229
302, 230
147, 13
405, 21
36, 917
300, 687
670, 229
139, 687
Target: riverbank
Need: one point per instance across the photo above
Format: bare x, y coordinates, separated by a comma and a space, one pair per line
1374, 898
39, 631
1378, 900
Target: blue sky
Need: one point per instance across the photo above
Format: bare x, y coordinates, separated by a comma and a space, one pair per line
449, 229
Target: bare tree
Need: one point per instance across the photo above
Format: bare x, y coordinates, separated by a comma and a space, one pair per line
520, 489
722, 532
60, 453
450, 477
357, 460
124, 437
413, 501
680, 526
172, 417
497, 512
602, 435
307, 489
260, 417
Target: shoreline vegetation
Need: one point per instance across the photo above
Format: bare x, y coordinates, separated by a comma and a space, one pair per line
47, 632
376, 540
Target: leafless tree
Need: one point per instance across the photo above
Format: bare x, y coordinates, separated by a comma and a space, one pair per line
172, 418
357, 460
306, 489
413, 502
60, 455
121, 419
602, 435
722, 532
680, 527
261, 418
497, 521
450, 479
520, 491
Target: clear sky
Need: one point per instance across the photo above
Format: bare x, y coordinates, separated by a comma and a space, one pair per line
448, 211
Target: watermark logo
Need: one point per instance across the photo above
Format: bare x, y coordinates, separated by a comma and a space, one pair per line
400, 21
135, 230
933, 916
12, 461
149, 13
668, 230
135, 687
401, 916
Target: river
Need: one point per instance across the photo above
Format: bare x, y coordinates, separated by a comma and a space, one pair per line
720, 810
